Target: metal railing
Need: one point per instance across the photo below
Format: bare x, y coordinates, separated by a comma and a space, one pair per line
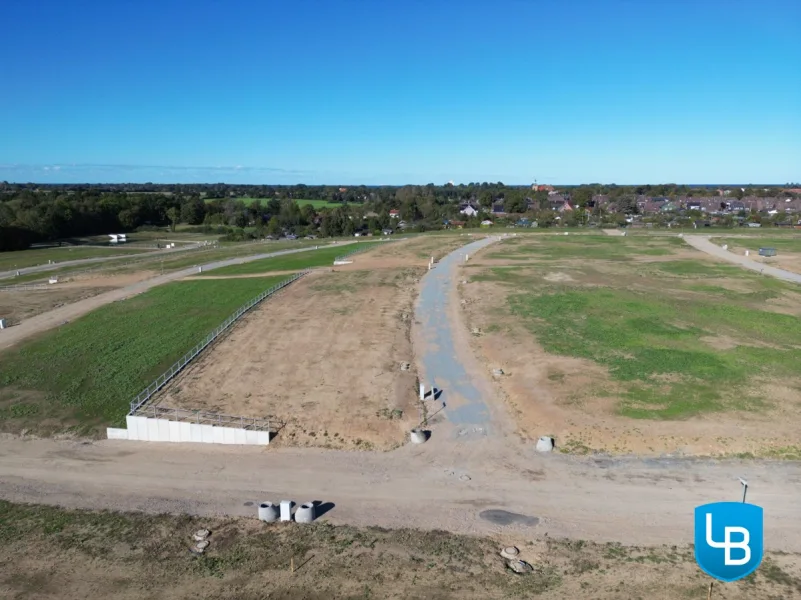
21, 287
176, 368
119, 262
208, 418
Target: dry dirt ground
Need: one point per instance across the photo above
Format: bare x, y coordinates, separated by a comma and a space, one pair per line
16, 306
52, 553
576, 400
325, 355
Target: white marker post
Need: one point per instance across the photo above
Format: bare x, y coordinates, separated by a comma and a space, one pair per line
466, 257
422, 391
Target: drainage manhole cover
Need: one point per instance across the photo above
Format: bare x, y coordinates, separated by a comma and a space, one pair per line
248, 504
504, 517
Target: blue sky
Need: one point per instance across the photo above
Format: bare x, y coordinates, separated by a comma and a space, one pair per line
358, 91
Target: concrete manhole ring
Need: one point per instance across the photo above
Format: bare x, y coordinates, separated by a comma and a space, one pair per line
202, 545
519, 566
510, 552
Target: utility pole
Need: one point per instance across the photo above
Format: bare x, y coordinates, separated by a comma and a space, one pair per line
745, 487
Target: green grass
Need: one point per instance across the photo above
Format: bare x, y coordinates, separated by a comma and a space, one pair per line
22, 259
788, 243
589, 246
649, 336
85, 373
697, 268
296, 262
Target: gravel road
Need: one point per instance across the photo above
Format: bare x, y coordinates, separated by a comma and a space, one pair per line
460, 395
702, 243
445, 483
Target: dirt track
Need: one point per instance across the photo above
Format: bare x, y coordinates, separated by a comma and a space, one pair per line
443, 484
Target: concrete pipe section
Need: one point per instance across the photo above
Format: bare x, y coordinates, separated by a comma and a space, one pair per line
268, 512
418, 436
305, 513
286, 510
545, 444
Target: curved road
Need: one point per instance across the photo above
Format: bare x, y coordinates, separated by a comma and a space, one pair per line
472, 463
68, 312
703, 244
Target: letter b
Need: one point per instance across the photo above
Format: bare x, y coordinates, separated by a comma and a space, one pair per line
742, 545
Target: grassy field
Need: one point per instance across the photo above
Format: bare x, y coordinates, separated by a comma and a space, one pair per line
587, 246
22, 259
296, 262
83, 375
51, 552
647, 322
639, 345
301, 202
785, 243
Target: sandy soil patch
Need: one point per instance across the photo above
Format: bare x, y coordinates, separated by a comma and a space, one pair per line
107, 280
574, 399
17, 306
325, 355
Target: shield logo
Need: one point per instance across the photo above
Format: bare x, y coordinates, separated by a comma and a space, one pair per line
728, 539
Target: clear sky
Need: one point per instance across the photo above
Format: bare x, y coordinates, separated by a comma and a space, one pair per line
412, 91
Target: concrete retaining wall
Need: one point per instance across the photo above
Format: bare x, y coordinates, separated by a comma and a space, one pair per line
145, 429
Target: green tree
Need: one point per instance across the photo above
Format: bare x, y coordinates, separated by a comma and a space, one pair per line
174, 215
193, 211
274, 226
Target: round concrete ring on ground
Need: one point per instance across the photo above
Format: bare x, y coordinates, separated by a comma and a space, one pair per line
520, 566
545, 444
201, 534
202, 545
510, 552
268, 512
418, 436
305, 513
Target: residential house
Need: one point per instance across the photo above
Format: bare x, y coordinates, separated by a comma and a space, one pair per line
497, 208
394, 214
386, 231
370, 215
457, 224
559, 203
486, 223
468, 210
523, 222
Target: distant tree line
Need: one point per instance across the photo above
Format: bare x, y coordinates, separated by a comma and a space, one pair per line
32, 213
